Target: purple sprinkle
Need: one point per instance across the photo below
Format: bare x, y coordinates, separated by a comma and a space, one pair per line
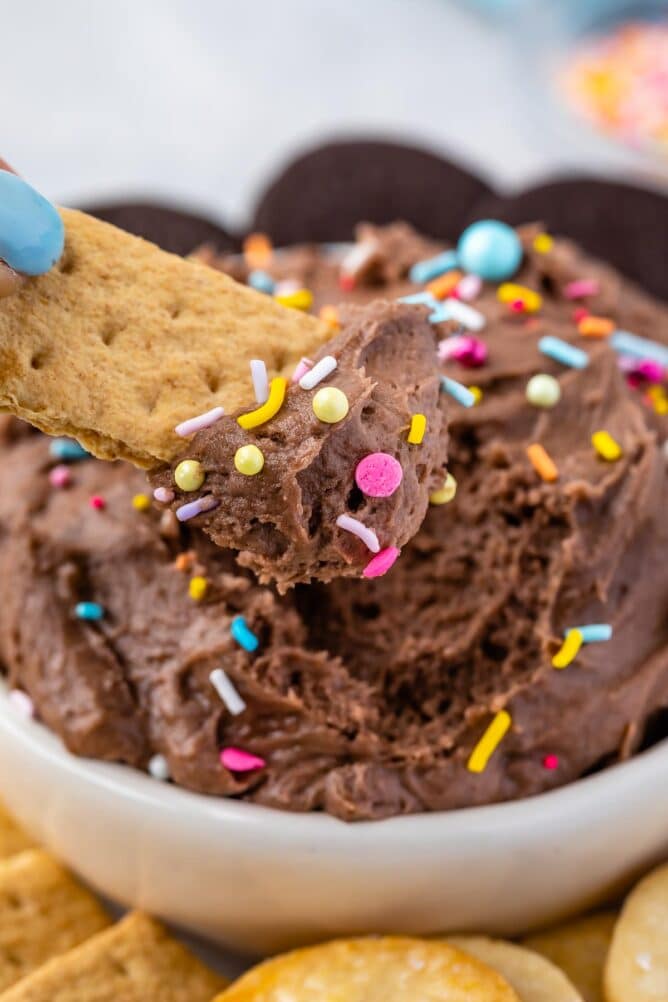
163, 494
206, 503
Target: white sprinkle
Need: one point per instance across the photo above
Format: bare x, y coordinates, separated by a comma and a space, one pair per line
644, 961
159, 768
227, 692
287, 287
163, 494
465, 315
469, 287
357, 259
260, 380
22, 703
194, 424
359, 529
320, 371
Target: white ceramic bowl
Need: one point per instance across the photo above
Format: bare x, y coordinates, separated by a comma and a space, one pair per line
259, 880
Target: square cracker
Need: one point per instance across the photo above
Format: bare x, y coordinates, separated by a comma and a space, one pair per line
43, 913
12, 838
121, 341
134, 961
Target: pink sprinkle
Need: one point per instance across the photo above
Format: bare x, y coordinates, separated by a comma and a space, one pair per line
60, 476
359, 529
551, 762
381, 563
468, 288
238, 760
303, 365
346, 282
518, 306
163, 494
97, 502
378, 475
580, 313
581, 287
22, 703
650, 370
194, 424
469, 351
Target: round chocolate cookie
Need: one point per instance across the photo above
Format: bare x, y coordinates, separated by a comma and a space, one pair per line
325, 192
623, 224
172, 229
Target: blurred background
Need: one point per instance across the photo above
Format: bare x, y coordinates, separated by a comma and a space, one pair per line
198, 102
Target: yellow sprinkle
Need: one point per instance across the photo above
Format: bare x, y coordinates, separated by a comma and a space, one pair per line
302, 299
543, 243
141, 502
417, 429
189, 475
508, 292
330, 315
446, 492
542, 463
489, 742
606, 446
197, 588
249, 460
661, 406
270, 408
568, 650
477, 394
257, 250
330, 404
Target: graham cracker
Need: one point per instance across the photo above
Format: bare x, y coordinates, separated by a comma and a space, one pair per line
12, 838
43, 912
122, 341
135, 960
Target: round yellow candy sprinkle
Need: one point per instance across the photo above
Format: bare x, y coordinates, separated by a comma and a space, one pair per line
141, 502
543, 390
543, 243
330, 404
446, 493
189, 475
248, 460
197, 588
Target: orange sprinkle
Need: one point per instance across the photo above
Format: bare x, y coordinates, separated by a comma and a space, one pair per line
330, 315
442, 286
542, 463
592, 326
184, 561
257, 250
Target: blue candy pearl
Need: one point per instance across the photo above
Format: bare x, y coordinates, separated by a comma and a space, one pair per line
32, 234
490, 249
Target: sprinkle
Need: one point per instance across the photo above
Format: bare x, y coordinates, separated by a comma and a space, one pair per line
320, 371
378, 475
238, 760
461, 313
303, 365
477, 394
581, 288
469, 288
359, 257
197, 507
141, 502
425, 271
551, 762
562, 351
22, 703
97, 502
260, 379
302, 299
227, 692
446, 492
460, 393
67, 450
197, 588
465, 349
359, 529
249, 460
163, 494
243, 635
184, 561
592, 326
568, 650
543, 390
261, 281
444, 285
330, 316
417, 429
543, 243
639, 347
346, 282
606, 446
287, 287
158, 768
489, 742
542, 463
419, 299
189, 475
60, 476
381, 563
194, 424
580, 313
594, 633
330, 404
650, 370
269, 409
257, 250
90, 611
530, 300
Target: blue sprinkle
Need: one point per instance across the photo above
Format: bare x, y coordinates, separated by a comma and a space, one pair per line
440, 313
425, 271
67, 450
593, 633
461, 393
261, 282
639, 347
32, 234
420, 299
89, 610
243, 635
562, 351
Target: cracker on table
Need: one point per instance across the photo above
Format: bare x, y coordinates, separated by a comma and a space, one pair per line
122, 341
135, 960
384, 969
12, 838
533, 977
43, 913
579, 948
636, 968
